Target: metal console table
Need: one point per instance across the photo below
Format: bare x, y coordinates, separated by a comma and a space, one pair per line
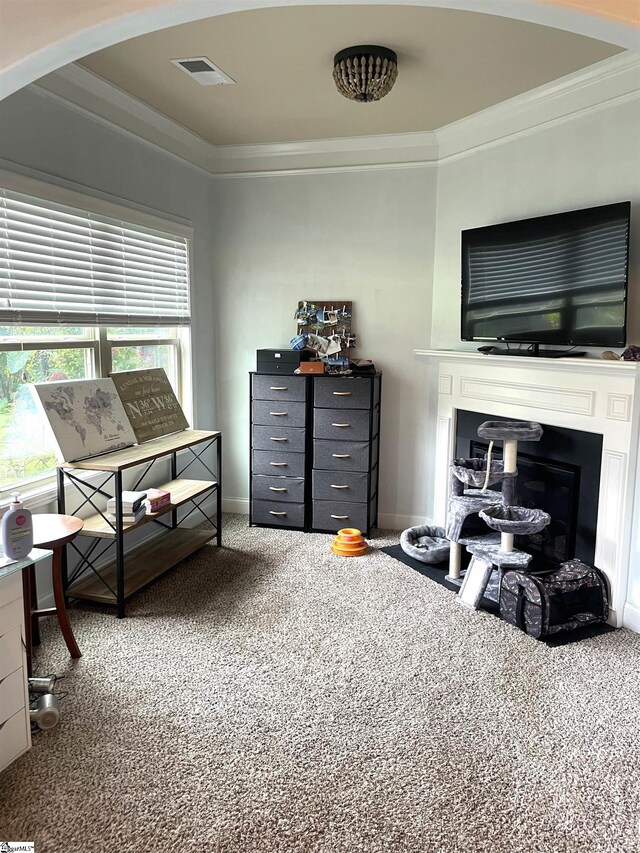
127, 573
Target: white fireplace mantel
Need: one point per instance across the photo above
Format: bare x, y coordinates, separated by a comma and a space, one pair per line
590, 394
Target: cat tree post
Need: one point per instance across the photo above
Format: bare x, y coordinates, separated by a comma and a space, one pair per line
509, 456
455, 560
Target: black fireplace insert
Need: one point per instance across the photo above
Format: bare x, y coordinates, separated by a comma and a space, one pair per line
560, 474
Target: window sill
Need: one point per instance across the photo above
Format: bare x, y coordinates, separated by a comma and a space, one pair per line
42, 496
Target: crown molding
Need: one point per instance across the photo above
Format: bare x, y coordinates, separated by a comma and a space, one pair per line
92, 95
611, 81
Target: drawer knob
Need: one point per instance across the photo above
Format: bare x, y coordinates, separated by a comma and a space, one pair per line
340, 517
341, 425
278, 388
279, 464
339, 487
343, 393
276, 489
279, 414
341, 455
271, 512
271, 438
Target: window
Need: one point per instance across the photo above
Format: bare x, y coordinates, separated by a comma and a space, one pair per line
81, 295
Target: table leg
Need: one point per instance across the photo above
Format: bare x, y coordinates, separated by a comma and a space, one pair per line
61, 608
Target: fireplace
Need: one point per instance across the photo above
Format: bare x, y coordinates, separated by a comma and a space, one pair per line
590, 399
559, 474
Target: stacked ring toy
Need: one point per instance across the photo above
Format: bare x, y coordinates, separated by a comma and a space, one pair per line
349, 543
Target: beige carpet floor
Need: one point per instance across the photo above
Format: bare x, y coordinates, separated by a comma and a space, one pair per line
271, 696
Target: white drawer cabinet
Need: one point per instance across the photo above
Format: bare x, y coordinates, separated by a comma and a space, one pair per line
15, 727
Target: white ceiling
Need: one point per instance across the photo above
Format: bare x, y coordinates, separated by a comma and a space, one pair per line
452, 64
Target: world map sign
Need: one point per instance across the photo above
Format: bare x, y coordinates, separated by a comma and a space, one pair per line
86, 416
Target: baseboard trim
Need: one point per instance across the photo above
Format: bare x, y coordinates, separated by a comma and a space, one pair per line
239, 505
631, 617
389, 521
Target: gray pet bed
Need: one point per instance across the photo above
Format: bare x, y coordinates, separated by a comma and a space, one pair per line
424, 543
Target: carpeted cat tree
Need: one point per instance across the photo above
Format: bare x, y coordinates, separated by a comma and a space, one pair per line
491, 553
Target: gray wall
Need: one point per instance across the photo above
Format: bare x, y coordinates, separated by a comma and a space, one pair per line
364, 236
589, 160
368, 235
39, 133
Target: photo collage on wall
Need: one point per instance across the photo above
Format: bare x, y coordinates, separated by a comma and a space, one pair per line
325, 328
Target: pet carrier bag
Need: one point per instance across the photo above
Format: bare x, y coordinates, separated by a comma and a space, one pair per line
569, 597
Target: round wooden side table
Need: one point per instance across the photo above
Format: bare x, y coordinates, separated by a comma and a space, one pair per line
51, 531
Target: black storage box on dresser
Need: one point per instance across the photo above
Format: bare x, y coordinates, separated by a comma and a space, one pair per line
280, 360
314, 451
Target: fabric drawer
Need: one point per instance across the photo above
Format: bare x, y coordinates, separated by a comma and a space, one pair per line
341, 455
279, 387
291, 439
348, 393
373, 484
14, 738
334, 515
288, 489
278, 412
350, 486
273, 463
341, 424
277, 513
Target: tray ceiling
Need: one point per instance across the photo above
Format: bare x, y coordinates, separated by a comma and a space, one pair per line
451, 63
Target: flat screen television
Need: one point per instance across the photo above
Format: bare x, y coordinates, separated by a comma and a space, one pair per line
554, 280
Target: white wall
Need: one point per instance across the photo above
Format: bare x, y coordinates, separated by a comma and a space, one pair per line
365, 236
582, 162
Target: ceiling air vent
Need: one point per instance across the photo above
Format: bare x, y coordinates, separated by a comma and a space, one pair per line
203, 71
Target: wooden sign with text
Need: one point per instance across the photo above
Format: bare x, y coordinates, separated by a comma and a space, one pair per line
150, 403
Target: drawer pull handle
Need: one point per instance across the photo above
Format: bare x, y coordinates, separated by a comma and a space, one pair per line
276, 489
279, 464
271, 438
341, 425
339, 487
271, 512
343, 393
278, 388
341, 455
341, 517
279, 414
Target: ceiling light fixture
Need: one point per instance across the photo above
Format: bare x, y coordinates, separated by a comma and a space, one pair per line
365, 73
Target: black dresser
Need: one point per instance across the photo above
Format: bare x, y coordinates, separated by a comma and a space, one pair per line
314, 451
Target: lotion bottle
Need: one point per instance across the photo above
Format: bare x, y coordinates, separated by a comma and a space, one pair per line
17, 530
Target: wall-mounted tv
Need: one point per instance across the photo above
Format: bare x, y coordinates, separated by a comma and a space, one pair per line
558, 280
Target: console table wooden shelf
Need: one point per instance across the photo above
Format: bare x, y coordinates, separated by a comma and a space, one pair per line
127, 573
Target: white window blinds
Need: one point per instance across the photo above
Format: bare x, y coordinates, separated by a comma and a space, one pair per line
61, 264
